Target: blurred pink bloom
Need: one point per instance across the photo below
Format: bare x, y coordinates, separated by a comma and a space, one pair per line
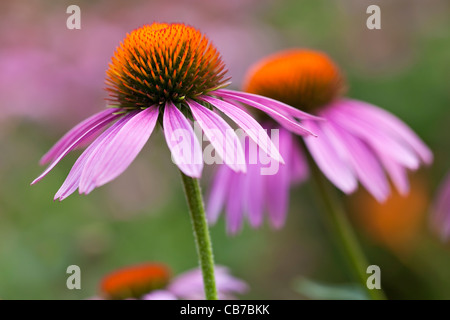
153, 281
189, 286
358, 142
362, 143
140, 97
440, 218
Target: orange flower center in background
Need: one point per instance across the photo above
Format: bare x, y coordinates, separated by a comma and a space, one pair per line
162, 62
304, 79
397, 223
135, 281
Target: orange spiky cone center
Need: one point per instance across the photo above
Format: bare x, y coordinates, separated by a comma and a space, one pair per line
135, 281
305, 79
163, 62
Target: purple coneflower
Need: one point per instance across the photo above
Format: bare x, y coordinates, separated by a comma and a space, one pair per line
153, 281
440, 218
171, 73
358, 142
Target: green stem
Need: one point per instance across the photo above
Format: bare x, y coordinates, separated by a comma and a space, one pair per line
201, 234
345, 234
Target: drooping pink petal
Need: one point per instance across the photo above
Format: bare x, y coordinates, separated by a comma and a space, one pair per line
362, 159
234, 208
274, 104
253, 195
330, 160
286, 121
278, 185
223, 138
369, 131
250, 126
90, 131
183, 144
115, 155
391, 124
218, 193
76, 133
397, 173
73, 179
299, 165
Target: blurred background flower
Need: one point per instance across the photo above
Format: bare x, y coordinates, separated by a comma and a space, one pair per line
440, 212
154, 281
49, 82
396, 223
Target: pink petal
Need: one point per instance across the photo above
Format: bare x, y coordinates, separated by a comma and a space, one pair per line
330, 160
391, 124
369, 131
251, 127
159, 295
299, 164
73, 179
397, 173
254, 194
278, 185
76, 133
225, 141
277, 105
228, 284
178, 130
115, 155
218, 193
362, 159
90, 131
234, 210
285, 120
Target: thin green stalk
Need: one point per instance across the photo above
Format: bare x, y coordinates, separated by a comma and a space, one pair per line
344, 234
201, 234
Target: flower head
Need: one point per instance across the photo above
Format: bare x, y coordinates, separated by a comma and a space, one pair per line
358, 142
163, 62
153, 281
171, 73
304, 79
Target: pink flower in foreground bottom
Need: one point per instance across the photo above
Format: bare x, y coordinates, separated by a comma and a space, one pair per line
168, 73
358, 142
440, 218
152, 281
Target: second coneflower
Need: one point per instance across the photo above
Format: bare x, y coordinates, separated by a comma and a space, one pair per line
171, 73
153, 281
358, 142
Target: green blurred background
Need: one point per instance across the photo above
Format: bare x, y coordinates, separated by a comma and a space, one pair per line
142, 215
